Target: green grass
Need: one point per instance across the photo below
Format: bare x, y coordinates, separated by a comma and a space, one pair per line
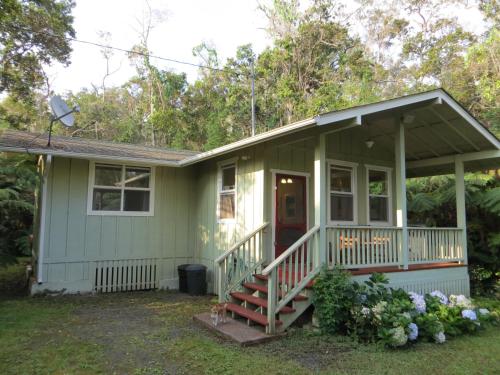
153, 333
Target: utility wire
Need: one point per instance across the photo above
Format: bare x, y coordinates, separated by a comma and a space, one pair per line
100, 45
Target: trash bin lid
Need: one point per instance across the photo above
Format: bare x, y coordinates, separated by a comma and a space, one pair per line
191, 267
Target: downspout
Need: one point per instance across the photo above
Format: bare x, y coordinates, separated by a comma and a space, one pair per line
43, 210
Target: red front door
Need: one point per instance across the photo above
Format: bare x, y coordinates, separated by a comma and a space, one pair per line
291, 211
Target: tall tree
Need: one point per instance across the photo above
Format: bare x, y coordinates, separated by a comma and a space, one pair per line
33, 33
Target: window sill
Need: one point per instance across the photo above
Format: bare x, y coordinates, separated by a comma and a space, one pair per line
120, 213
226, 221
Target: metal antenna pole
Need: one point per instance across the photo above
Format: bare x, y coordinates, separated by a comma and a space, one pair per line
253, 97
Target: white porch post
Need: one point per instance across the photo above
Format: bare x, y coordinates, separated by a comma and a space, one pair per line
401, 214
320, 195
460, 202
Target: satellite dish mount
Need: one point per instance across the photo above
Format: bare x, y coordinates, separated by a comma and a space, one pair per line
61, 112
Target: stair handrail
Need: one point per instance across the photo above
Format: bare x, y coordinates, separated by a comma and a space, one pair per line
290, 250
291, 286
239, 262
235, 247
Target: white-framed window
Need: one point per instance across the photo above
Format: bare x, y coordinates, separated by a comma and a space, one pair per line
121, 190
379, 194
226, 191
342, 192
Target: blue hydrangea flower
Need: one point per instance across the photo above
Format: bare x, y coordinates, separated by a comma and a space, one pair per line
419, 302
469, 314
442, 297
413, 331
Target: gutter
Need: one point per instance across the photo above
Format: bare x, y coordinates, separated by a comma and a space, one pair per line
79, 155
43, 212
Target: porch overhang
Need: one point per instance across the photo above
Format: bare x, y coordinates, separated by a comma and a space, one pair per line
473, 162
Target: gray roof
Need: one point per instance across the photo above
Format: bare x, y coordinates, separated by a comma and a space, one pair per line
19, 141
442, 127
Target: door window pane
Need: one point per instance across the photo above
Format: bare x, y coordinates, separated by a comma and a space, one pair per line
341, 207
108, 175
340, 180
106, 200
378, 209
377, 182
136, 200
137, 177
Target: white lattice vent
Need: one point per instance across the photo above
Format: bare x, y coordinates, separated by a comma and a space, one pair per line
126, 275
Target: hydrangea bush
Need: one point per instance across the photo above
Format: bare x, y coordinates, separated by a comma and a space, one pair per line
371, 311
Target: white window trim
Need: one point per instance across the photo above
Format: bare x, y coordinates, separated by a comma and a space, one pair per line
220, 166
354, 184
388, 170
91, 186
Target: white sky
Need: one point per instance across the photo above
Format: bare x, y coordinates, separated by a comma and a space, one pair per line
224, 23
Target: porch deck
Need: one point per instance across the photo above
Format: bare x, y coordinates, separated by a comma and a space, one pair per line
411, 267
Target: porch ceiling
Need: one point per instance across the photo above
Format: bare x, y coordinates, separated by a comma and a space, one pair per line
434, 131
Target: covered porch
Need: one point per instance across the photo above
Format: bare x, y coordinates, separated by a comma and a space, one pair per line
351, 202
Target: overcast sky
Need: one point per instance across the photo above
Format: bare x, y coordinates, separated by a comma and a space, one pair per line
224, 23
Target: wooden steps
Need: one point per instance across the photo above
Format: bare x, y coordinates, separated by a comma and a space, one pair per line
259, 301
249, 314
251, 304
263, 289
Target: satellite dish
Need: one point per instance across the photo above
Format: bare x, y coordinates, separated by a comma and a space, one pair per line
61, 112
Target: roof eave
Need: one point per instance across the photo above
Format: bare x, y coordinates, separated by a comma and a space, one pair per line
79, 155
272, 134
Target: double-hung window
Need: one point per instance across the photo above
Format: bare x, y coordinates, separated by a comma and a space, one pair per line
227, 191
342, 193
379, 195
120, 190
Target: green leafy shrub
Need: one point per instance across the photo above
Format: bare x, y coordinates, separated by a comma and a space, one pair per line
13, 280
334, 296
373, 312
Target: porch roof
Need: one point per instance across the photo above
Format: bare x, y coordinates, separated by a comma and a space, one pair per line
438, 130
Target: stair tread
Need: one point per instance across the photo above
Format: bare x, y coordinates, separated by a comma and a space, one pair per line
250, 314
263, 289
264, 278
259, 301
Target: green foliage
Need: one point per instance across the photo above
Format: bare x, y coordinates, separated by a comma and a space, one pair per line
373, 312
13, 281
431, 202
334, 297
32, 34
18, 179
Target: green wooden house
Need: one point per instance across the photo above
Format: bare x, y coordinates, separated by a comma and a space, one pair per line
264, 213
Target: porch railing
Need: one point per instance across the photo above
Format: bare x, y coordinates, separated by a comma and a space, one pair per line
434, 245
362, 247
239, 262
289, 274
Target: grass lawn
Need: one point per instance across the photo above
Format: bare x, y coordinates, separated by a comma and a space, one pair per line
153, 333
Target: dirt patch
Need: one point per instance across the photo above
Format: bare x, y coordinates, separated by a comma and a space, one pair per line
309, 349
132, 328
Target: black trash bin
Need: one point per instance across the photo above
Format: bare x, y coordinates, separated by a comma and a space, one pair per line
192, 279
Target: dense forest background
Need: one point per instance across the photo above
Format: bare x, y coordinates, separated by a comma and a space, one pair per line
322, 58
